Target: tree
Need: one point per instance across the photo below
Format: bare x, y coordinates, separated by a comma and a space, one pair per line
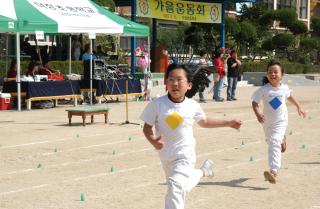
262, 20
266, 19
282, 41
174, 41
267, 45
247, 36
315, 28
298, 28
315, 25
286, 17
253, 13
232, 27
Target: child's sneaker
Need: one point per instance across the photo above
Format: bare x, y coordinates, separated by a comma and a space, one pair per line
269, 176
207, 168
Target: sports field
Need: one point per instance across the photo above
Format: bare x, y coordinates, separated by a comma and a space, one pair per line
44, 163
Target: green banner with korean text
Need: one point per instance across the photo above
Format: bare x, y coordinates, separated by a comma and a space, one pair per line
178, 10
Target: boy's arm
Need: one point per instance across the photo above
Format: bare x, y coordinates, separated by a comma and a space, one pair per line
156, 142
238, 62
214, 123
260, 116
299, 108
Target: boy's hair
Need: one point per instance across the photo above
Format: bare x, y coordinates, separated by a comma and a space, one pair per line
271, 63
86, 47
233, 51
184, 67
202, 52
217, 52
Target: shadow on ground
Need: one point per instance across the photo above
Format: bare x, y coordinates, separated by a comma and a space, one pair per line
309, 163
233, 183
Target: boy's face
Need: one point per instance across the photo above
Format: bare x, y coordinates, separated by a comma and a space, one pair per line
274, 75
178, 85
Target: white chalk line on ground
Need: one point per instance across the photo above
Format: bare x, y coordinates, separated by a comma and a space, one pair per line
121, 171
77, 162
102, 134
90, 176
85, 147
120, 154
105, 174
139, 186
70, 138
133, 169
24, 189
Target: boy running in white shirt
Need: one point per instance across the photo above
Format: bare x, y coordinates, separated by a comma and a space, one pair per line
274, 118
173, 116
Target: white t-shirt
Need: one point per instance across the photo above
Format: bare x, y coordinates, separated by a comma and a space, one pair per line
174, 122
274, 102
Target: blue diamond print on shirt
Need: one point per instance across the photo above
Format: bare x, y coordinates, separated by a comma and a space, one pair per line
275, 103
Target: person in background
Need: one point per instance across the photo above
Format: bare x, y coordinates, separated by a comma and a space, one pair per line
233, 74
87, 53
44, 54
76, 49
33, 69
12, 73
25, 46
101, 54
219, 74
47, 69
202, 61
86, 71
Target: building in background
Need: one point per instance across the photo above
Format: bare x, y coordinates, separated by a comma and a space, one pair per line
302, 7
315, 7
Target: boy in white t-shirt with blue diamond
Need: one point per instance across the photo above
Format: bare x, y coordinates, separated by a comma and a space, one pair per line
173, 116
274, 118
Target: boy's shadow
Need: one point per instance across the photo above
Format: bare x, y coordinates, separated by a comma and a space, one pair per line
233, 183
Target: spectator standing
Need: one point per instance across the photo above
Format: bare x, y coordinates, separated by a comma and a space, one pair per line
219, 74
203, 62
12, 73
76, 49
233, 74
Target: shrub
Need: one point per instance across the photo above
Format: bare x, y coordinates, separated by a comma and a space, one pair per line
286, 17
298, 27
290, 68
282, 41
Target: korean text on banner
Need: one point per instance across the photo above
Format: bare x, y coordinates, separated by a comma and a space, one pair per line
180, 10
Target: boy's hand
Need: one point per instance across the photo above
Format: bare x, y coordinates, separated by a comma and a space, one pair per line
301, 112
260, 118
158, 143
235, 124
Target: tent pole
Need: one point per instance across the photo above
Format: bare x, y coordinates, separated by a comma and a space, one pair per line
7, 51
70, 54
90, 71
149, 60
18, 69
222, 26
133, 38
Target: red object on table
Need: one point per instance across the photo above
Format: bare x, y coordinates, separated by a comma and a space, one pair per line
56, 77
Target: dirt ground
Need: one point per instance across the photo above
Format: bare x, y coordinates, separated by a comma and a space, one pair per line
44, 163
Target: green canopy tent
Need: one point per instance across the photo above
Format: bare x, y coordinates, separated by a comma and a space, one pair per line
71, 17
